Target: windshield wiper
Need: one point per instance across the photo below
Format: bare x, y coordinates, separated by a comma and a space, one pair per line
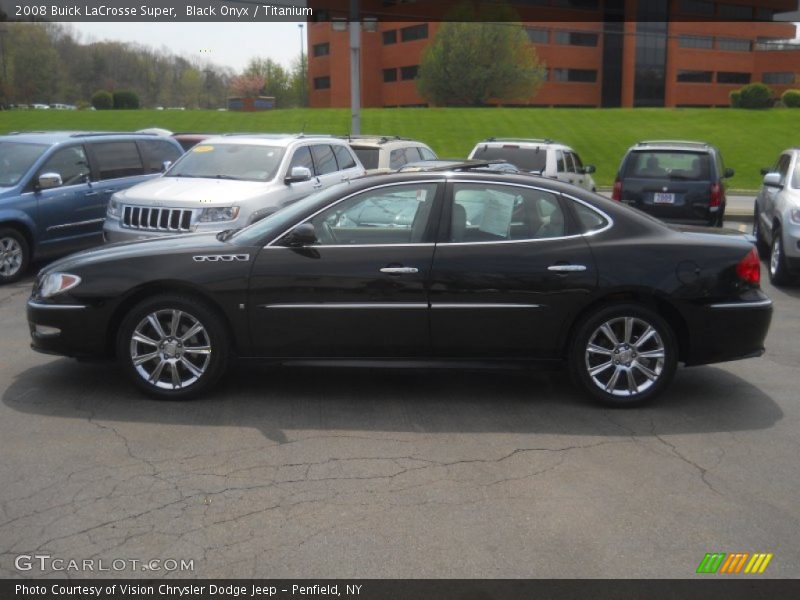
224, 177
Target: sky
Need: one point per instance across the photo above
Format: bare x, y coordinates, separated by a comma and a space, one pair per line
226, 44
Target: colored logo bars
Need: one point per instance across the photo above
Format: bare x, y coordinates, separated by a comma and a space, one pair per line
734, 563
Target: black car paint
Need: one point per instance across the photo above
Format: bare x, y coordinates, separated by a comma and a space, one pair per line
636, 258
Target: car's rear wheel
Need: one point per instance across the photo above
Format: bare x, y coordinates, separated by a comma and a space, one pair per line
14, 255
624, 355
173, 347
778, 270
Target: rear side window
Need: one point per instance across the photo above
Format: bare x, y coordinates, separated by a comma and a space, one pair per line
664, 164
117, 159
588, 219
324, 159
343, 158
526, 159
155, 153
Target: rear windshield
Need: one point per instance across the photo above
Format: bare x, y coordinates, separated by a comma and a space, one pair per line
242, 162
368, 156
669, 164
527, 159
15, 160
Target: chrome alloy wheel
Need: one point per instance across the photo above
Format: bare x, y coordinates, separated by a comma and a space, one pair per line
775, 256
625, 356
170, 349
10, 256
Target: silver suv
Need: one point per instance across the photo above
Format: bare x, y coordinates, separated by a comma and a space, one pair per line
540, 156
382, 154
228, 182
776, 224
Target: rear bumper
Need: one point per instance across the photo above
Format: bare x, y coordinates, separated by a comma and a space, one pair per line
688, 214
729, 330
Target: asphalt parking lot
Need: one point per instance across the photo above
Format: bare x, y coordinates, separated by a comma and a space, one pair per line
409, 474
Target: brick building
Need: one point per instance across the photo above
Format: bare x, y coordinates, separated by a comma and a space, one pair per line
598, 53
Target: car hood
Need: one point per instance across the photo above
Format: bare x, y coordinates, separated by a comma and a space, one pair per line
191, 191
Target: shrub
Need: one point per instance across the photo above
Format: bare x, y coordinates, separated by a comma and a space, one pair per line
756, 95
125, 99
791, 98
736, 99
102, 100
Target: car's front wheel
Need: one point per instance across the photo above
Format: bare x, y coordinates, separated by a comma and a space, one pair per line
173, 347
761, 245
623, 355
778, 270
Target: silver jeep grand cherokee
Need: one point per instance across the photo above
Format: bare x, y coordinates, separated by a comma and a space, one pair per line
229, 182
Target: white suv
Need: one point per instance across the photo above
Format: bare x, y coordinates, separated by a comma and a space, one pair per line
228, 182
381, 154
541, 156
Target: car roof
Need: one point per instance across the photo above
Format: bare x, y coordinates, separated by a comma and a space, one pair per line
57, 137
523, 142
367, 141
673, 145
268, 139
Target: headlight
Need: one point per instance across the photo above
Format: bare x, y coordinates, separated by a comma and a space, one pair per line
794, 214
220, 213
56, 283
113, 208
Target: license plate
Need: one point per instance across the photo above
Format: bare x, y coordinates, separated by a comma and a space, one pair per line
662, 198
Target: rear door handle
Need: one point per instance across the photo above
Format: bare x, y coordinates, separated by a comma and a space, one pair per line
566, 268
400, 270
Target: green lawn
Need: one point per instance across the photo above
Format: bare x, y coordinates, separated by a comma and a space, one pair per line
749, 140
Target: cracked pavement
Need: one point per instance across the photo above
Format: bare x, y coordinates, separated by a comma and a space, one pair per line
317, 473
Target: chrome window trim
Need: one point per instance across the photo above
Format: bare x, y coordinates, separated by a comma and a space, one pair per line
476, 305
757, 304
349, 305
38, 305
420, 245
369, 189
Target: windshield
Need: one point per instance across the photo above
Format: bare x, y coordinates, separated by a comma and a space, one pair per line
243, 162
275, 224
665, 164
368, 157
527, 159
16, 158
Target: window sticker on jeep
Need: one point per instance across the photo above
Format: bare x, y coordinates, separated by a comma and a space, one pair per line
203, 149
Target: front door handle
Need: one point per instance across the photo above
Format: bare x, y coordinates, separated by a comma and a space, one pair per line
566, 268
400, 270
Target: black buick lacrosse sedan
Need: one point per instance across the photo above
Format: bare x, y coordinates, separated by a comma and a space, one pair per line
415, 268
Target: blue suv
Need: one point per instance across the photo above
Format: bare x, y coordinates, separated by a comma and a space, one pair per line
54, 188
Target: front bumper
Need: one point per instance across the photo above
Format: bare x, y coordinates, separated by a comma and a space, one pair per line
70, 329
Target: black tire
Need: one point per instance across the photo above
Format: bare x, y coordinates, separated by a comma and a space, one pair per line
778, 270
761, 245
199, 362
15, 255
630, 356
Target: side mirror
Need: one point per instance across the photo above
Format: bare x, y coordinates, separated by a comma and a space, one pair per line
297, 175
302, 235
49, 180
729, 173
773, 179
166, 165
589, 169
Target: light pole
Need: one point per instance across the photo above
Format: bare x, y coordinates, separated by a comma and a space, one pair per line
355, 69
302, 69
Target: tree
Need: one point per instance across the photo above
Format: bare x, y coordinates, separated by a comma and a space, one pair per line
247, 86
125, 99
102, 100
473, 61
756, 95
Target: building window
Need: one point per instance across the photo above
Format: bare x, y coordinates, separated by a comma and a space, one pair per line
778, 77
389, 75
695, 76
731, 77
321, 49
697, 7
575, 75
735, 12
734, 44
575, 38
390, 37
703, 42
407, 73
322, 83
537, 36
415, 32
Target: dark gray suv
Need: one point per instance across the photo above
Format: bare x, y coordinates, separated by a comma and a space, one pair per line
677, 181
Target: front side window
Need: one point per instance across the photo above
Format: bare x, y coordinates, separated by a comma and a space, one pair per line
494, 213
578, 163
387, 215
426, 154
302, 158
660, 164
403, 156
70, 163
783, 166
16, 159
242, 162
117, 159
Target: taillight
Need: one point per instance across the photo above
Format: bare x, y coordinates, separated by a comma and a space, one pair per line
716, 195
617, 193
749, 268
